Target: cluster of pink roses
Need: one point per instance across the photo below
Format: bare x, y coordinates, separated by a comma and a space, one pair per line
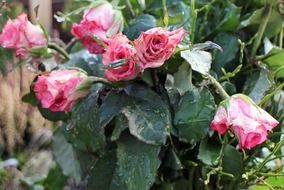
150, 50
22, 35
249, 122
100, 32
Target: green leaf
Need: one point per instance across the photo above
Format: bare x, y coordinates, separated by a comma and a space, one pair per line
275, 182
255, 18
121, 123
55, 179
84, 129
112, 105
53, 116
140, 24
90, 63
137, 164
183, 79
209, 151
178, 12
257, 85
274, 60
274, 22
230, 46
195, 111
39, 51
102, 173
230, 21
229, 87
172, 160
232, 161
199, 61
64, 155
30, 98
133, 167
148, 116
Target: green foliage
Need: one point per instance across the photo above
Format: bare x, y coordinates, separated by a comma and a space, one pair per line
149, 121
66, 157
140, 24
273, 61
232, 161
55, 179
195, 111
209, 151
84, 129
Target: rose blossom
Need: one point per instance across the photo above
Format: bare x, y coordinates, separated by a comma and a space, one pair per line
57, 90
101, 22
156, 45
22, 35
119, 48
249, 122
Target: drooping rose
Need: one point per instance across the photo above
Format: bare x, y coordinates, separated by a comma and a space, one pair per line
22, 35
98, 24
220, 122
119, 49
249, 122
56, 90
157, 45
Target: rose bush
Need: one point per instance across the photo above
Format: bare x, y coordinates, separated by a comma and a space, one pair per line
143, 115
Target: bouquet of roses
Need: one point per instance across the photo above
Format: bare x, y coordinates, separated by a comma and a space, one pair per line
141, 107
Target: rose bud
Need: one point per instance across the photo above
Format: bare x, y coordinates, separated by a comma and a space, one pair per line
22, 35
57, 90
249, 122
98, 24
157, 45
119, 49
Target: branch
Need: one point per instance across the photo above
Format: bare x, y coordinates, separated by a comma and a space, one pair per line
218, 86
59, 49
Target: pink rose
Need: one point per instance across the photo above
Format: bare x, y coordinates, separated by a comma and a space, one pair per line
157, 45
22, 35
249, 122
57, 90
220, 122
119, 48
101, 22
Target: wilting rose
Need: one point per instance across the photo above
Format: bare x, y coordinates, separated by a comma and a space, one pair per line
98, 24
119, 49
22, 35
220, 122
157, 45
56, 90
249, 122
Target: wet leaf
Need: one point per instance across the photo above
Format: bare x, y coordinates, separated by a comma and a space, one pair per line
148, 116
195, 111
199, 61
